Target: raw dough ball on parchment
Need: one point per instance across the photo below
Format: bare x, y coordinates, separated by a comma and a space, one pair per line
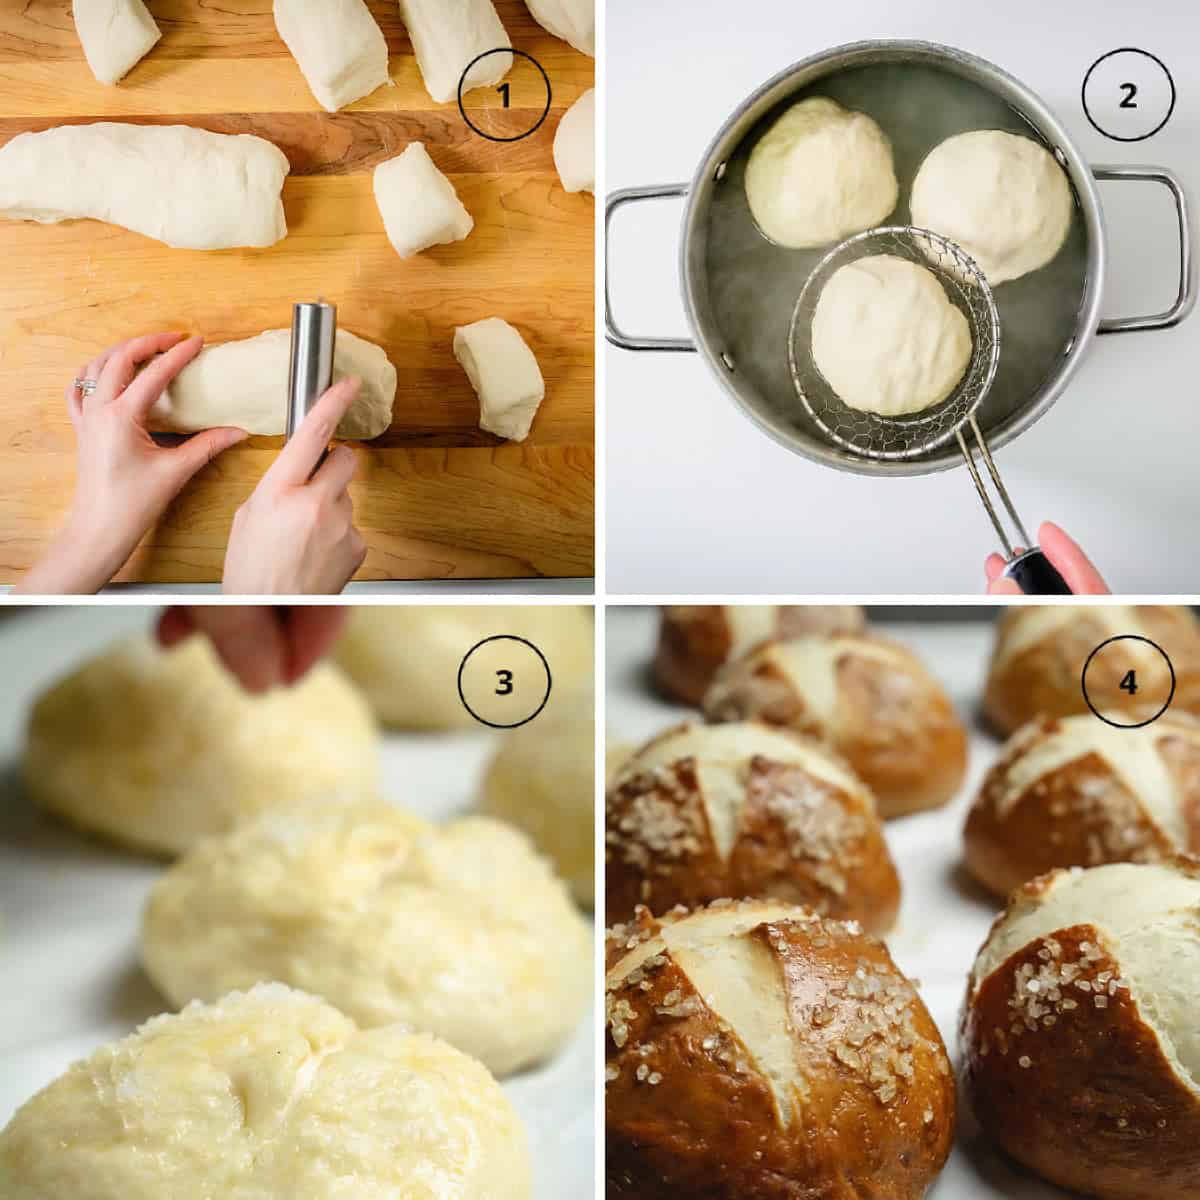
1003, 198
887, 338
160, 748
461, 931
266, 1094
820, 174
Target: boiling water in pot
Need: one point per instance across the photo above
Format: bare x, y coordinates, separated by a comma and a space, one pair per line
753, 284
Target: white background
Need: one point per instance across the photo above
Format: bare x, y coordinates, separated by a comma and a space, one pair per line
698, 501
70, 909
944, 917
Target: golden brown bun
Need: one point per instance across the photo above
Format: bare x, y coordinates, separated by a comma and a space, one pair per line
1040, 651
756, 1051
868, 698
695, 640
1081, 1055
1076, 792
705, 812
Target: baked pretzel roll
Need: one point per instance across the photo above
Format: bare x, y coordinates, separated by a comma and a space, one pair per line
705, 812
757, 1051
694, 640
1075, 792
1040, 651
867, 697
1080, 1039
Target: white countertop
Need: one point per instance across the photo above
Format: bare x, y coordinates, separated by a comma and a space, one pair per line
698, 501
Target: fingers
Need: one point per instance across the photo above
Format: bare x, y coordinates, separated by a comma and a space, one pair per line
122, 361
143, 393
201, 448
249, 640
174, 626
1003, 586
311, 631
1070, 561
300, 456
993, 567
336, 472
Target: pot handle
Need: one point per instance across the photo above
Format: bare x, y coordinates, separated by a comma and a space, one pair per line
1187, 293
612, 330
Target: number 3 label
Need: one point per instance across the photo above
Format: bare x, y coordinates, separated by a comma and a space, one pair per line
506, 683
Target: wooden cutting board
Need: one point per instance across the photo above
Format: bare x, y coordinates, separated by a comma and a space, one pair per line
435, 496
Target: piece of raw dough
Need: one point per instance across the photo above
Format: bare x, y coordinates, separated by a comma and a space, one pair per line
820, 174
115, 34
189, 188
575, 145
419, 205
338, 46
887, 338
244, 384
447, 35
572, 20
1002, 197
504, 374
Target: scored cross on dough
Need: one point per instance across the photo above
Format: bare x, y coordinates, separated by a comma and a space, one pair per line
1033, 624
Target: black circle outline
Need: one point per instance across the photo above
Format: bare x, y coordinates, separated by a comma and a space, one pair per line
520, 136
1112, 136
504, 637
1127, 637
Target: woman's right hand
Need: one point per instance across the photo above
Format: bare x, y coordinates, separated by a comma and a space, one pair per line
295, 535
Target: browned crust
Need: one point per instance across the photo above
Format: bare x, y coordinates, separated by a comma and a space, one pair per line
1096, 1108
1081, 815
832, 857
1045, 678
707, 1127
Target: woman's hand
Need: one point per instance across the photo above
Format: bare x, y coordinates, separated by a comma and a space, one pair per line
124, 480
264, 646
1065, 556
295, 536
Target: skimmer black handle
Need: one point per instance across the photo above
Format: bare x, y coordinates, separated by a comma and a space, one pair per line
1034, 574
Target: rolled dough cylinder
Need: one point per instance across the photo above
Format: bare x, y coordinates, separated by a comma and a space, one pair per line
189, 188
504, 374
115, 34
419, 205
575, 145
447, 35
1002, 197
338, 46
819, 174
244, 384
887, 338
572, 20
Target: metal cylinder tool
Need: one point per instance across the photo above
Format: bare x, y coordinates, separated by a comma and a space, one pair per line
314, 331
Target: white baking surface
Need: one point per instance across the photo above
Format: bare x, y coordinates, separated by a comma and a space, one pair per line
944, 917
1112, 462
70, 909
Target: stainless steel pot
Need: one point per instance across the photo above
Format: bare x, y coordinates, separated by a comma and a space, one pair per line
739, 289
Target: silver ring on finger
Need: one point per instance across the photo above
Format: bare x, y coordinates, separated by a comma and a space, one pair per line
85, 387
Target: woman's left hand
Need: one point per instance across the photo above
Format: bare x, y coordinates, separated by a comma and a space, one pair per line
124, 479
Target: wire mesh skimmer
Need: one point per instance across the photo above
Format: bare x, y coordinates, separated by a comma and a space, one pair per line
876, 436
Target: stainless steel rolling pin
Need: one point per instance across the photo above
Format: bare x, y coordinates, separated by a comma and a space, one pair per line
314, 330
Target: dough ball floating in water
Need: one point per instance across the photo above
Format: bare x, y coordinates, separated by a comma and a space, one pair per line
419, 205
447, 35
575, 145
265, 1094
189, 188
115, 34
887, 338
244, 384
338, 46
1003, 198
572, 20
819, 174
504, 374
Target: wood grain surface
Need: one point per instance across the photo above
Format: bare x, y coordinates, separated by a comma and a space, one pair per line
435, 496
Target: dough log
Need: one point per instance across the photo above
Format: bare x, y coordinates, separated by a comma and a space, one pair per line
447, 35
572, 20
504, 374
419, 205
189, 188
575, 145
244, 384
338, 46
115, 34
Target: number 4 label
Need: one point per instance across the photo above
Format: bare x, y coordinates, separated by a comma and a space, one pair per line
1129, 683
